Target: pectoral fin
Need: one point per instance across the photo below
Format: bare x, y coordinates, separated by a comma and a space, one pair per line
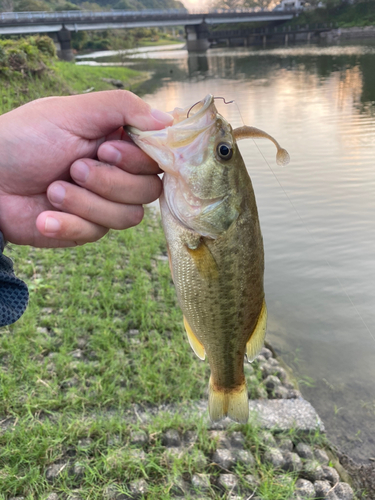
194, 342
204, 261
255, 343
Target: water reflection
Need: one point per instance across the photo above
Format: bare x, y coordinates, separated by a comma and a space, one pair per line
197, 64
317, 215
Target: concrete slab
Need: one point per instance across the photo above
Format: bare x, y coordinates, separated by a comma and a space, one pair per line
285, 414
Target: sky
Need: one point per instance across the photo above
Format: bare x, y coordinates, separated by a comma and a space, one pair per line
194, 4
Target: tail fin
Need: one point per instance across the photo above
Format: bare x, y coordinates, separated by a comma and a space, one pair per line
234, 404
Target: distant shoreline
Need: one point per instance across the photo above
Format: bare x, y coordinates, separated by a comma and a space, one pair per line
349, 33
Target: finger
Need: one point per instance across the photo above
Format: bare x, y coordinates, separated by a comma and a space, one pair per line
93, 208
101, 113
118, 135
128, 156
68, 229
114, 184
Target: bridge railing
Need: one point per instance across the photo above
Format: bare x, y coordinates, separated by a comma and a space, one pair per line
81, 15
84, 14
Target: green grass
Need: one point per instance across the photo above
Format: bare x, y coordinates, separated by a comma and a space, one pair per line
81, 78
17, 90
103, 331
63, 79
144, 42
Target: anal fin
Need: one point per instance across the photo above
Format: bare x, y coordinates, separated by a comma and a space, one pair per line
197, 346
255, 343
228, 403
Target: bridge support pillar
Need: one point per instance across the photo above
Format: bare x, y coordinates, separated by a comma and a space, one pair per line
197, 37
63, 45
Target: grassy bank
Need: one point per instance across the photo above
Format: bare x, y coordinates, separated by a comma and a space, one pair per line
80, 78
29, 69
102, 332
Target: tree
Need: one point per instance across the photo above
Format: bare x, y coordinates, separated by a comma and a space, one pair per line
30, 5
262, 4
7, 6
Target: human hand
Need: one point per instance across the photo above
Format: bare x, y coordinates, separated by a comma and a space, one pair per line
68, 171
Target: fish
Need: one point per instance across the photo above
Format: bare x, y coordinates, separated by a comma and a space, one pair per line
215, 246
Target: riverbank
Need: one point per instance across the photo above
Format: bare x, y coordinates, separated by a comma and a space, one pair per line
103, 398
29, 69
354, 33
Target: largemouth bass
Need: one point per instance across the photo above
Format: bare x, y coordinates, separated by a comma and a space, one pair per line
215, 246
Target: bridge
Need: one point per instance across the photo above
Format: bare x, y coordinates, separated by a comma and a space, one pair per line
61, 24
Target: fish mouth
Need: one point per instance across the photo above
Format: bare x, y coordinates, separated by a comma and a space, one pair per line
187, 137
184, 117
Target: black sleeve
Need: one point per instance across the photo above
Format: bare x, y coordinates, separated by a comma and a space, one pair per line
14, 295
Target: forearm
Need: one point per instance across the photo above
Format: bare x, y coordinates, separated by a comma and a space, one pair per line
14, 295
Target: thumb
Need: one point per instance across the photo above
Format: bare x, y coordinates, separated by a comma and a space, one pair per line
98, 114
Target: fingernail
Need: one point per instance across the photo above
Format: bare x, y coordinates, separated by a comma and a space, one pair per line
160, 116
56, 194
51, 225
79, 171
110, 154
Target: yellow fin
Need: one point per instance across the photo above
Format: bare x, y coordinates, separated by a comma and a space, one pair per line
204, 261
194, 342
233, 404
255, 343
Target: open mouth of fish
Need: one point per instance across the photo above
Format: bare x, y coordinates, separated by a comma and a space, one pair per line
189, 134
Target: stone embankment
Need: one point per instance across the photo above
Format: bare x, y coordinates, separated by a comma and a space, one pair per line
349, 33
285, 443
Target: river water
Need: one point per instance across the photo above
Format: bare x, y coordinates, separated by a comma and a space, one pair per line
317, 214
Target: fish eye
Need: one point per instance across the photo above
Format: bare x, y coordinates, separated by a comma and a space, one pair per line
225, 151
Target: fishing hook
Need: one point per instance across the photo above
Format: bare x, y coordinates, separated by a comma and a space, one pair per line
225, 102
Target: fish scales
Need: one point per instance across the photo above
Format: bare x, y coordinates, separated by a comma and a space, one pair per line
215, 246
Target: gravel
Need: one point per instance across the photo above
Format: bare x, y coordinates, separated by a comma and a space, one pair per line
330, 474
321, 456
274, 457
312, 470
139, 438
323, 490
179, 488
304, 451
138, 488
237, 440
344, 492
305, 489
224, 458
171, 438
292, 462
228, 482
201, 482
